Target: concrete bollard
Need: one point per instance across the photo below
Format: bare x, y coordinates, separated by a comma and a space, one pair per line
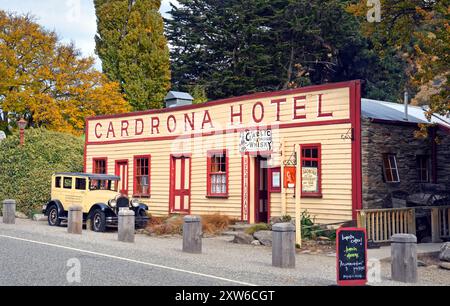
75, 220
126, 225
9, 211
283, 245
404, 258
192, 234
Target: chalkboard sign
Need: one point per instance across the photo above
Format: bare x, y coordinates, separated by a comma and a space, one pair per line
351, 255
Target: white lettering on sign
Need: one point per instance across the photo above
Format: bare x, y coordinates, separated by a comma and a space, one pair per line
256, 141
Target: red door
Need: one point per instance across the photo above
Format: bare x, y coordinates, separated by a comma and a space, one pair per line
122, 171
180, 184
261, 190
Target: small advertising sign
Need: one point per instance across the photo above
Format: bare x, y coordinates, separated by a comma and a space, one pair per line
256, 141
351, 256
289, 177
310, 179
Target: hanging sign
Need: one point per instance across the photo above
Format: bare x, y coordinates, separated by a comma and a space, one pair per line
351, 256
256, 141
289, 177
310, 179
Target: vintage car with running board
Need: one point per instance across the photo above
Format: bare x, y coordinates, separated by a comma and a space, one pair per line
97, 194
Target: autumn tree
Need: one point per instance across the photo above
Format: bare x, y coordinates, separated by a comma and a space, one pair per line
419, 30
47, 82
130, 42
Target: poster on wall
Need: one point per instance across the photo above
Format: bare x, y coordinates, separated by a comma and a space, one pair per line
289, 177
310, 179
256, 141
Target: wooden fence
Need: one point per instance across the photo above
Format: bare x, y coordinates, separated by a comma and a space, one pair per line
381, 224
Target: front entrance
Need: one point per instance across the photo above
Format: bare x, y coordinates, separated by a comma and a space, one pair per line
261, 190
180, 184
122, 171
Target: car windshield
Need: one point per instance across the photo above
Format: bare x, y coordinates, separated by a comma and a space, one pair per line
102, 185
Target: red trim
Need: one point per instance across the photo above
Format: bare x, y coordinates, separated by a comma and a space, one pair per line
255, 96
182, 190
355, 118
225, 131
350, 282
209, 193
135, 193
86, 136
242, 188
117, 172
271, 188
317, 146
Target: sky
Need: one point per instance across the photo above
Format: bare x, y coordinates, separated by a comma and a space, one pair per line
72, 20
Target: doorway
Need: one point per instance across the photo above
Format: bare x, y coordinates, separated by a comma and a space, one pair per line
180, 184
122, 172
262, 200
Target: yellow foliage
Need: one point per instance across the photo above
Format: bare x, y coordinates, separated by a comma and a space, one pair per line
48, 82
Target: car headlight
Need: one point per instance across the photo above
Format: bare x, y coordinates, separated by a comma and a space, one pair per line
135, 202
112, 203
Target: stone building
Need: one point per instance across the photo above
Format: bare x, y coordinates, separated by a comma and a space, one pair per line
394, 161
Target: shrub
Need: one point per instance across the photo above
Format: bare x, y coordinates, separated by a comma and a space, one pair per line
216, 223
25, 172
257, 227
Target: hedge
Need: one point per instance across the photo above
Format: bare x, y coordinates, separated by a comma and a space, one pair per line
25, 172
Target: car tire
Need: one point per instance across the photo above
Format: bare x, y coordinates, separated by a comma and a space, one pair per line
53, 218
141, 224
98, 221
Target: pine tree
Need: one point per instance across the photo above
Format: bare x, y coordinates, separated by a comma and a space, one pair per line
130, 42
237, 47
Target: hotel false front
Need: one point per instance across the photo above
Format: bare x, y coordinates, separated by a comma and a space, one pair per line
244, 157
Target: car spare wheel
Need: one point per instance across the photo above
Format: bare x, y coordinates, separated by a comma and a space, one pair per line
98, 221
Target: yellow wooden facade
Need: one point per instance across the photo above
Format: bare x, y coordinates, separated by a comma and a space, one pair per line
325, 115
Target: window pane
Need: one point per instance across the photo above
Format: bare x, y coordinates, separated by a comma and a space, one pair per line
58, 182
315, 153
80, 184
68, 182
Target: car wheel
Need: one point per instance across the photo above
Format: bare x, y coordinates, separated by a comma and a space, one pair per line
53, 218
141, 224
98, 221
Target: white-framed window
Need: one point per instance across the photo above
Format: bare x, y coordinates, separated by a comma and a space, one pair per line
390, 168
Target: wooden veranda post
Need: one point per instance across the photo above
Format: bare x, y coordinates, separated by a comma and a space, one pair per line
283, 190
298, 227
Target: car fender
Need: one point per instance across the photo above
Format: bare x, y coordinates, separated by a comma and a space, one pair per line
59, 206
103, 207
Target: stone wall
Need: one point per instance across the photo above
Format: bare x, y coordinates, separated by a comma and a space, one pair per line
380, 138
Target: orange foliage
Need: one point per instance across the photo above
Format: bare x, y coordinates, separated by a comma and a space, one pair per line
48, 82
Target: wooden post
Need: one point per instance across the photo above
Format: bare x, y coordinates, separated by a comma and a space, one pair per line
283, 245
412, 221
298, 226
192, 234
9, 211
75, 220
283, 190
126, 225
435, 226
404, 258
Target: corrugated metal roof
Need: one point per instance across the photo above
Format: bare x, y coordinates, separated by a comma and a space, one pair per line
178, 95
374, 109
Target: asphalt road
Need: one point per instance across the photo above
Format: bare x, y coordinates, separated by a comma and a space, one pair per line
32, 253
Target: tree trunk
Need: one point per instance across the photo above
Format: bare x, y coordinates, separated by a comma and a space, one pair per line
290, 69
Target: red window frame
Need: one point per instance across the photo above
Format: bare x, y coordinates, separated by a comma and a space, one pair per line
317, 146
95, 166
136, 192
210, 155
271, 172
